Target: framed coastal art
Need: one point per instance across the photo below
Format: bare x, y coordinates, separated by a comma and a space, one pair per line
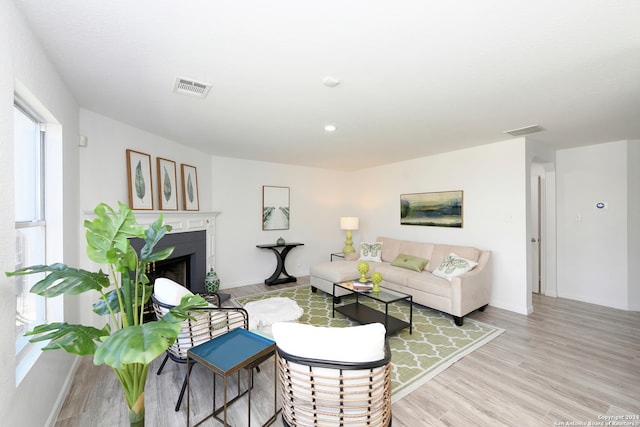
438, 209
189, 188
139, 178
275, 208
167, 187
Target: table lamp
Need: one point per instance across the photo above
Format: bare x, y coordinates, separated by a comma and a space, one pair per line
348, 223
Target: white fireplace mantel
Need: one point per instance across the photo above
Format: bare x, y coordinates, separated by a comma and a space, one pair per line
181, 222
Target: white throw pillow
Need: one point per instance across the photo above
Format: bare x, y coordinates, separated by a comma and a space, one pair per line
371, 252
364, 343
453, 265
169, 292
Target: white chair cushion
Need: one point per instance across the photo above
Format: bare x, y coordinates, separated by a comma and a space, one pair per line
363, 343
169, 292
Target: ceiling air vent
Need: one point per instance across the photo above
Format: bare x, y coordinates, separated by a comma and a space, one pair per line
191, 87
525, 130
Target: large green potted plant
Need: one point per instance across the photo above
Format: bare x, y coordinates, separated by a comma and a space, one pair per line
125, 343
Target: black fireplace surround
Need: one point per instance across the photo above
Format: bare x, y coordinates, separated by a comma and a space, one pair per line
189, 257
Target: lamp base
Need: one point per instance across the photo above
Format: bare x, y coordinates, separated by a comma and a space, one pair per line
348, 250
348, 244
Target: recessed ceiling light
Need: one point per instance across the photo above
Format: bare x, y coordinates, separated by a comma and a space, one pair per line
330, 128
330, 81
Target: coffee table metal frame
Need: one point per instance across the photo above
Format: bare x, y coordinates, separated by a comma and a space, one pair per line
226, 355
365, 314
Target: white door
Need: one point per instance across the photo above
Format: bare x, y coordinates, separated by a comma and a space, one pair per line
536, 185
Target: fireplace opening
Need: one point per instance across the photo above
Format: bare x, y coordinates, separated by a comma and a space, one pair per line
186, 265
176, 269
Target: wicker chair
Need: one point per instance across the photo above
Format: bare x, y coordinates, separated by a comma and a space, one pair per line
325, 393
209, 323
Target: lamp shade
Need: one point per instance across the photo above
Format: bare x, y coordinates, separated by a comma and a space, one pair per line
349, 223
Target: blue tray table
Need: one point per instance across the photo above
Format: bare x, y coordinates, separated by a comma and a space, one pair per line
228, 354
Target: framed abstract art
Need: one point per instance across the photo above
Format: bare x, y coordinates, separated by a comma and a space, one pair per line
438, 209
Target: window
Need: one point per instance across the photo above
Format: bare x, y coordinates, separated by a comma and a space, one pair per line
29, 171
39, 214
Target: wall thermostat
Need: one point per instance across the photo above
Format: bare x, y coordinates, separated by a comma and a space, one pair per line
601, 205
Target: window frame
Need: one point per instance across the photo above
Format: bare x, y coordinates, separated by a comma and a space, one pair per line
23, 347
52, 210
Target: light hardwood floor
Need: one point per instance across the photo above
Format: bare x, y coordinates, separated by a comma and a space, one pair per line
568, 363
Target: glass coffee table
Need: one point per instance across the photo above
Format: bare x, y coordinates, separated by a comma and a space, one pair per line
364, 314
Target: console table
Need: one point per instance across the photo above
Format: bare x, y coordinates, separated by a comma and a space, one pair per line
281, 252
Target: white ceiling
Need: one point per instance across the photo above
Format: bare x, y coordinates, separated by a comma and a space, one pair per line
418, 77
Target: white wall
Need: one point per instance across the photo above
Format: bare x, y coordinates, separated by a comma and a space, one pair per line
317, 200
103, 165
230, 186
23, 59
593, 243
493, 178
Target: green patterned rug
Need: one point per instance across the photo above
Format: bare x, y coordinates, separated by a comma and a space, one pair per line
435, 344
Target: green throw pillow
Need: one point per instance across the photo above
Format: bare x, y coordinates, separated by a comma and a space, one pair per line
410, 262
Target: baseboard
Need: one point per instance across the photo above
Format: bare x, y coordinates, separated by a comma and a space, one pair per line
593, 301
510, 307
62, 396
634, 307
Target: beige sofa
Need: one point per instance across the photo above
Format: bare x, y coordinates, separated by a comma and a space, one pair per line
459, 296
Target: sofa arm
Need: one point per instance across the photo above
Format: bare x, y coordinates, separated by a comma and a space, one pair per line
472, 290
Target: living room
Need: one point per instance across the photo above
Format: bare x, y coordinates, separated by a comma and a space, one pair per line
496, 178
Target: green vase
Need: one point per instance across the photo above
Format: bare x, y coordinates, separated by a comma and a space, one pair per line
376, 278
211, 282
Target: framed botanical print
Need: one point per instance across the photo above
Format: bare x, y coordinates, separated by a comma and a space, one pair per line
275, 208
167, 188
189, 188
139, 178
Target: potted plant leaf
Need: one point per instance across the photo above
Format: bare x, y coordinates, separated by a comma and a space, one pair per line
125, 343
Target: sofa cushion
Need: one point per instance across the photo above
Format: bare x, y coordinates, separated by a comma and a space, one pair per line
410, 262
335, 272
454, 265
394, 247
427, 282
392, 274
363, 343
371, 251
440, 252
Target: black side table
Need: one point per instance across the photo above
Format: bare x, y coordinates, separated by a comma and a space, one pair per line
281, 252
337, 255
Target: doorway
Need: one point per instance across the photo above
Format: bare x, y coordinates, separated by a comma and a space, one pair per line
542, 230
536, 232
